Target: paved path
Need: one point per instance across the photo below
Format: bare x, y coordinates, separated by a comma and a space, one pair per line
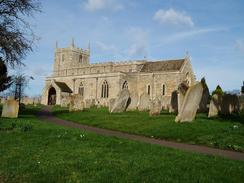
45, 114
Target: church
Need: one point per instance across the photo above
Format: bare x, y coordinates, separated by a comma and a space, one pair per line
100, 82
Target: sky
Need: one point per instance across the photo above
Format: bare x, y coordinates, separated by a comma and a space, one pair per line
211, 32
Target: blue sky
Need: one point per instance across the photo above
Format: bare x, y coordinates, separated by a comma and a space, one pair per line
211, 31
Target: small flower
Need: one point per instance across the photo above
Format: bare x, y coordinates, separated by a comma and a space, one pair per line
38, 162
235, 126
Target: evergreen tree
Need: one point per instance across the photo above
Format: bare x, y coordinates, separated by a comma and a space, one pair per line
218, 91
5, 80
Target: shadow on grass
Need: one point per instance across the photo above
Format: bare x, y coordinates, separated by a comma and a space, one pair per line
229, 118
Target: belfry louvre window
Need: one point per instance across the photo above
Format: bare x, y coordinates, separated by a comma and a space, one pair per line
163, 89
80, 59
81, 89
105, 90
148, 89
125, 85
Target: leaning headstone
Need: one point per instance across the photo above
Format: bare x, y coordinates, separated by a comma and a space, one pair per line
230, 104
111, 104
182, 89
191, 103
144, 103
133, 102
203, 106
121, 102
155, 107
214, 106
10, 109
173, 102
76, 103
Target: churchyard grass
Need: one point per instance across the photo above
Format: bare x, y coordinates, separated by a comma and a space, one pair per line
224, 133
51, 153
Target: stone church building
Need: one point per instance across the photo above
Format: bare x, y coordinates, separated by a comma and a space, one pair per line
73, 74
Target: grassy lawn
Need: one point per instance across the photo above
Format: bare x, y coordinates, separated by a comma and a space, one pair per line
220, 133
36, 151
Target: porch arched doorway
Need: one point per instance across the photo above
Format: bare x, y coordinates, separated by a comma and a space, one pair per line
52, 96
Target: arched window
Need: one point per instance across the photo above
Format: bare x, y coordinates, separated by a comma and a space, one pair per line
125, 85
105, 90
148, 89
81, 89
163, 89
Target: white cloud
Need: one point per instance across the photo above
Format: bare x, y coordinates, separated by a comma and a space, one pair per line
173, 17
187, 34
139, 45
240, 45
93, 5
104, 47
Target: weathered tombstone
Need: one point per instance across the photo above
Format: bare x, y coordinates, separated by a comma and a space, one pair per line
203, 106
155, 107
133, 102
89, 103
10, 109
144, 103
121, 102
182, 89
65, 101
191, 103
230, 104
165, 101
173, 102
241, 101
76, 103
214, 106
111, 104
3, 100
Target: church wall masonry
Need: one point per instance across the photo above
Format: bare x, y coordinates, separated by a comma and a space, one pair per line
73, 74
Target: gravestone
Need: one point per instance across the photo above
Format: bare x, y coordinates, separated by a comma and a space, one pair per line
182, 89
65, 101
111, 104
76, 103
155, 107
165, 102
241, 101
133, 102
174, 102
121, 102
203, 106
144, 102
191, 103
230, 104
214, 106
89, 103
10, 109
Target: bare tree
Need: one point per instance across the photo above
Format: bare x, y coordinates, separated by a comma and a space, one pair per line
20, 82
16, 35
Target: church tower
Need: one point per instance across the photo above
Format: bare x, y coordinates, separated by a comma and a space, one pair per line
70, 57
